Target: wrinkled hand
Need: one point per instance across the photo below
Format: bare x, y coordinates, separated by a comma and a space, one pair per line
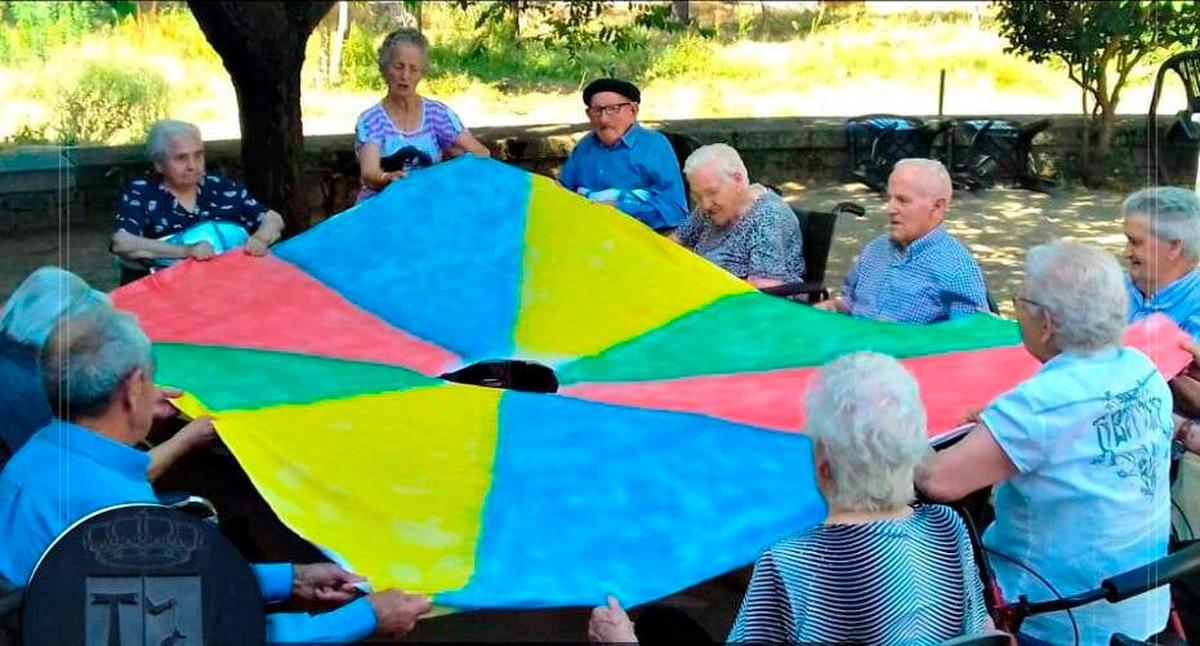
255, 246
971, 416
396, 613
198, 432
323, 583
390, 176
1185, 390
1193, 369
163, 408
611, 625
201, 251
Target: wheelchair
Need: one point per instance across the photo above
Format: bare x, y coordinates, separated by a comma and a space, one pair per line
1182, 561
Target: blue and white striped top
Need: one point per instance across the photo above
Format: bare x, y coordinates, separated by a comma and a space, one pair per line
909, 581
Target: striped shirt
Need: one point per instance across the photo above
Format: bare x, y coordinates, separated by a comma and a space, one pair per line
909, 581
440, 126
934, 279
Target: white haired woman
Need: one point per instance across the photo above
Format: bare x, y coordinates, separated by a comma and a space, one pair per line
406, 130
187, 212
741, 227
1080, 451
878, 570
29, 316
25, 323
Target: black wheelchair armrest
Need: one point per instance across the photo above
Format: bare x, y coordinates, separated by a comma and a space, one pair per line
1152, 575
850, 208
809, 287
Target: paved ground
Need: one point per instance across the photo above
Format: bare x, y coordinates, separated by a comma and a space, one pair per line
998, 225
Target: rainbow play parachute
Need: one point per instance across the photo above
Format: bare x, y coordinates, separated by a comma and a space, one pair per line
659, 463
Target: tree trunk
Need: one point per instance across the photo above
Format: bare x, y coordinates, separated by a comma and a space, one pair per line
1104, 139
262, 47
339, 39
681, 9
514, 8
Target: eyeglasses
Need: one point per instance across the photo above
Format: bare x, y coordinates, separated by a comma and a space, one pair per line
1030, 301
610, 110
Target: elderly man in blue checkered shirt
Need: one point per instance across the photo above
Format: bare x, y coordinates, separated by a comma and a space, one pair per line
917, 272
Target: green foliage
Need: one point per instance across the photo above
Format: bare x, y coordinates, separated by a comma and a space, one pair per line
33, 29
110, 104
360, 60
29, 134
1100, 43
1097, 40
691, 52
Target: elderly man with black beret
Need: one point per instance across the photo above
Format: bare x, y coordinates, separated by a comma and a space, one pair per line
622, 164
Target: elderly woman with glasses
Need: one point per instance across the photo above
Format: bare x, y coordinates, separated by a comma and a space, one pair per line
406, 130
187, 212
1080, 453
879, 570
743, 228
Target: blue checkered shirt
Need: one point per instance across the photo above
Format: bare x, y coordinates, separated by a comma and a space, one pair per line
1179, 300
934, 279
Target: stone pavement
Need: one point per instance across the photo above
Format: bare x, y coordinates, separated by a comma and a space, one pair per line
997, 224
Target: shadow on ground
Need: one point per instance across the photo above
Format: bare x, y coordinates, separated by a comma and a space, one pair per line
998, 225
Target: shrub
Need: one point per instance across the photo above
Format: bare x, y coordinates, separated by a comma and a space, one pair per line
689, 53
360, 63
110, 104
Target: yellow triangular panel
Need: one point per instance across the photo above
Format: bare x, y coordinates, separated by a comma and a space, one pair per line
587, 286
396, 481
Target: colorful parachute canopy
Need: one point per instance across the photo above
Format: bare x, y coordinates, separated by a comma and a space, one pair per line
659, 463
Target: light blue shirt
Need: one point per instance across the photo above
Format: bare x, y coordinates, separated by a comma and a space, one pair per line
934, 279
641, 160
1090, 437
65, 472
1179, 300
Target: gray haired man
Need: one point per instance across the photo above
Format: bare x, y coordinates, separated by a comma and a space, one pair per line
98, 372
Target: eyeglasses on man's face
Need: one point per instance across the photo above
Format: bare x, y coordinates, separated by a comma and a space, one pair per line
1027, 301
610, 110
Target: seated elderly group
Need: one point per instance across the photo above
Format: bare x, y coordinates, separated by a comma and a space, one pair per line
1079, 453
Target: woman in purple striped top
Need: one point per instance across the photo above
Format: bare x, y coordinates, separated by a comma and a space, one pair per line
406, 130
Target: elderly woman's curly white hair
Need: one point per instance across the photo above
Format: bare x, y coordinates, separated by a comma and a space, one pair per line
866, 417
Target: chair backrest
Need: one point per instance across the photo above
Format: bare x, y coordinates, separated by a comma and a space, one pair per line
816, 227
142, 574
1187, 66
683, 146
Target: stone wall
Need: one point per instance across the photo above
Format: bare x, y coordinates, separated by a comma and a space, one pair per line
42, 186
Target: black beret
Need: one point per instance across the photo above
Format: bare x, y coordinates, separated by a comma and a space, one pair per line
624, 88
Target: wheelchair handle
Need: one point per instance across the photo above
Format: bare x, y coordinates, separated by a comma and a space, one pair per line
1152, 575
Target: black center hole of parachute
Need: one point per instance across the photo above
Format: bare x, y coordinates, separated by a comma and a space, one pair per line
509, 374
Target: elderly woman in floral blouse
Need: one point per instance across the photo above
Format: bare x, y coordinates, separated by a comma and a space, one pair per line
744, 228
187, 212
